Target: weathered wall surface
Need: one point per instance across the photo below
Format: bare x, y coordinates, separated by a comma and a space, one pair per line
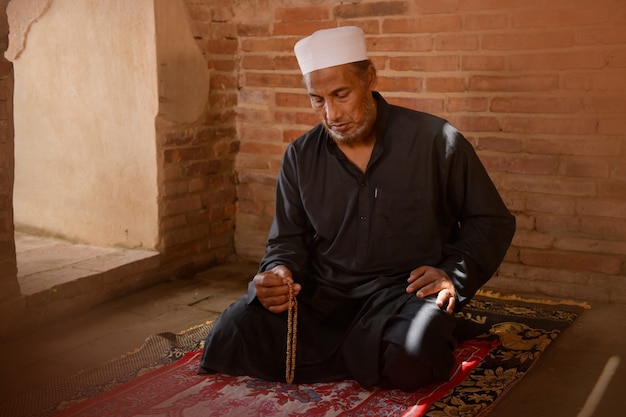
539, 88
85, 104
9, 290
191, 148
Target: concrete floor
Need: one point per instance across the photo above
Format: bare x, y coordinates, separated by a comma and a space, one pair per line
558, 385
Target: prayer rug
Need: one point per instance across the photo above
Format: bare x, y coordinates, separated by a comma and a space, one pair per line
502, 337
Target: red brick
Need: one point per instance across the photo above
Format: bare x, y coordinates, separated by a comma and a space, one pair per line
619, 172
253, 29
269, 45
557, 224
571, 146
550, 185
605, 227
593, 245
271, 79
552, 204
501, 144
611, 104
600, 81
256, 177
293, 100
569, 61
514, 83
299, 14
492, 4
564, 16
482, 63
247, 114
427, 105
425, 63
225, 65
380, 8
549, 125
522, 164
612, 189
419, 43
471, 104
250, 207
254, 97
571, 260
255, 132
584, 168
617, 58
182, 205
522, 41
485, 21
222, 46
223, 30
456, 42
603, 35
246, 161
436, 6
532, 239
602, 207
536, 105
286, 63
475, 123
223, 81
301, 29
262, 148
431, 24
445, 84
259, 62
290, 135
297, 117
524, 222
612, 126
185, 154
408, 84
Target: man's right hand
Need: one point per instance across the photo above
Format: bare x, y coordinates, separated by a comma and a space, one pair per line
272, 290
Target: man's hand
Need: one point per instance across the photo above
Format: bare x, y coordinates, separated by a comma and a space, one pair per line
272, 290
428, 280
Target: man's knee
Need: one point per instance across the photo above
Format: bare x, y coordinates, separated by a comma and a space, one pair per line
411, 371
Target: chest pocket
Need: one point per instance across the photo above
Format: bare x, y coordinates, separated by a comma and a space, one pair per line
399, 213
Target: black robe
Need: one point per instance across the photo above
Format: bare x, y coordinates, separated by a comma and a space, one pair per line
351, 240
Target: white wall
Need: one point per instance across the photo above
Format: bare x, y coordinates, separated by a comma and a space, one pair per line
86, 97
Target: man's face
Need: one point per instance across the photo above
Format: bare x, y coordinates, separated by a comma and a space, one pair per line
344, 102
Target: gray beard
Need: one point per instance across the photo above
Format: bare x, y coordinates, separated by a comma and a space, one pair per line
360, 133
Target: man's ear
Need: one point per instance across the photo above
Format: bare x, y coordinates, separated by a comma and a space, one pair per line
372, 78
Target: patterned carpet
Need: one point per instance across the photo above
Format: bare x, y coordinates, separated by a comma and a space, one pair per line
516, 332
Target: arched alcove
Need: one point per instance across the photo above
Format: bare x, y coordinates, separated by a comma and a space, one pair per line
92, 81
85, 104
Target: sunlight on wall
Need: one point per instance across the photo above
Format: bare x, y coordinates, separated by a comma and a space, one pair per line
85, 105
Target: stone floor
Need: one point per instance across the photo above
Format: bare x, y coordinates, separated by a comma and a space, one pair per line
44, 262
558, 385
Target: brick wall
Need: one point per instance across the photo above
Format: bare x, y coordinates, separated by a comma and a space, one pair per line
538, 87
197, 163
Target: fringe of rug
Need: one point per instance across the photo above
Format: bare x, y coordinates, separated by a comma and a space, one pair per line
512, 297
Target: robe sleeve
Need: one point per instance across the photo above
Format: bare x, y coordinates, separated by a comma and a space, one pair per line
290, 234
485, 225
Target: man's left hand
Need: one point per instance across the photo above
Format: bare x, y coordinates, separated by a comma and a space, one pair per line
427, 280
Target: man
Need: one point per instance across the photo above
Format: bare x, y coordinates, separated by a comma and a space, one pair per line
386, 223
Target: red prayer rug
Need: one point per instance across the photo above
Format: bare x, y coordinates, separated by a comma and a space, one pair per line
177, 390
501, 339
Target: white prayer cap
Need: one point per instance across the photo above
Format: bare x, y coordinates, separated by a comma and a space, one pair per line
330, 47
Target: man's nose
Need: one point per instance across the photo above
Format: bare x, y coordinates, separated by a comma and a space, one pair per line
332, 111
